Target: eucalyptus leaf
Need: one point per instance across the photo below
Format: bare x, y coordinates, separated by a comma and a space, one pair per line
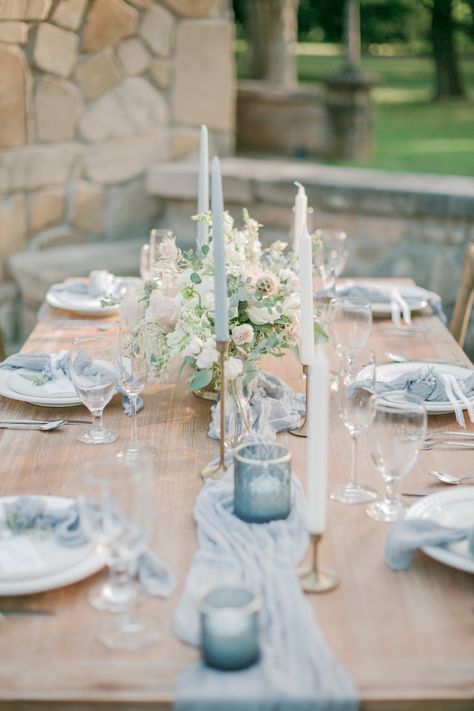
201, 379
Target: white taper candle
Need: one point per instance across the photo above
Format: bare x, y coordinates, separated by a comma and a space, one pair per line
300, 216
306, 296
203, 186
220, 277
318, 441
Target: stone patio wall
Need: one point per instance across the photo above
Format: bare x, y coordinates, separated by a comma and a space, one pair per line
92, 92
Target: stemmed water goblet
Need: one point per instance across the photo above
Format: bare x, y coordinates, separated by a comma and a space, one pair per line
324, 290
132, 371
93, 374
355, 389
350, 323
395, 438
330, 251
117, 509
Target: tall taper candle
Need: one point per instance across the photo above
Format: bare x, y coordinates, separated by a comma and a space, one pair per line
318, 441
220, 276
306, 296
203, 186
300, 217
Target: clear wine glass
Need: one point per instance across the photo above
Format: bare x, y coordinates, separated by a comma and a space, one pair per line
355, 389
93, 374
330, 250
118, 513
350, 323
324, 290
395, 438
132, 370
158, 260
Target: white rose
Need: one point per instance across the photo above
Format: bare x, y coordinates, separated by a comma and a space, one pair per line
291, 279
207, 357
260, 315
242, 334
162, 309
168, 250
233, 368
131, 309
290, 305
194, 347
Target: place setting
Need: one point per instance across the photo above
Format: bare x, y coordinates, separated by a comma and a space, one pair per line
97, 295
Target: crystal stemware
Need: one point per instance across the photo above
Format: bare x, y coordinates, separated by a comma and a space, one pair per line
330, 250
93, 374
350, 323
355, 389
117, 508
324, 290
132, 370
395, 439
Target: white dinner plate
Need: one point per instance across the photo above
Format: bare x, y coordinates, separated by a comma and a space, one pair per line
416, 297
6, 391
390, 371
58, 388
42, 564
452, 508
60, 298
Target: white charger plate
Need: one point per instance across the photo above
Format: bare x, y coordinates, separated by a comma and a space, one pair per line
82, 304
454, 508
49, 390
6, 391
65, 565
390, 371
418, 297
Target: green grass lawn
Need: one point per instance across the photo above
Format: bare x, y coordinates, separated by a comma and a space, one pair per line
411, 132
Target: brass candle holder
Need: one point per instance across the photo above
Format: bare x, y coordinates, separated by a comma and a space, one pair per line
313, 578
216, 471
303, 429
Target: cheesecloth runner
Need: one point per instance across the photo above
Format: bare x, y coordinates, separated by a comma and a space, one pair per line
297, 671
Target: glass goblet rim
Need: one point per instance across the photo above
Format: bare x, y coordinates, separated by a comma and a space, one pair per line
247, 458
250, 606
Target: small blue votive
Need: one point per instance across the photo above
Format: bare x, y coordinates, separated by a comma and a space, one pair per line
262, 482
229, 628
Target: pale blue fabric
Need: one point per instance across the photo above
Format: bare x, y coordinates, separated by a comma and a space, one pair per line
297, 671
275, 407
405, 537
382, 296
424, 382
29, 512
41, 363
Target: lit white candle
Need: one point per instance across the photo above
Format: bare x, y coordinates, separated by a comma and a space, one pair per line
306, 297
318, 441
220, 277
300, 217
203, 186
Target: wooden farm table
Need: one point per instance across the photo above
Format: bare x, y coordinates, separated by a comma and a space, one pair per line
406, 639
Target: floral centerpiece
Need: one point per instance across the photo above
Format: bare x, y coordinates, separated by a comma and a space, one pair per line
176, 309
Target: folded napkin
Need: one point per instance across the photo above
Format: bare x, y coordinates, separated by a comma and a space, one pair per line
405, 537
275, 407
296, 670
424, 382
383, 295
100, 283
50, 365
27, 513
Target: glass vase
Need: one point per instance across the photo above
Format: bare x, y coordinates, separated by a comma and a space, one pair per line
238, 415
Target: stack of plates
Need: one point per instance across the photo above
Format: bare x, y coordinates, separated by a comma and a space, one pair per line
19, 385
32, 562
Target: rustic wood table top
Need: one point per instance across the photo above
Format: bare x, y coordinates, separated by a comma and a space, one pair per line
405, 639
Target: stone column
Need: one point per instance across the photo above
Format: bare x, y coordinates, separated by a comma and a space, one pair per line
352, 34
272, 26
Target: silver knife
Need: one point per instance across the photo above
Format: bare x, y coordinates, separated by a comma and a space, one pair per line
24, 612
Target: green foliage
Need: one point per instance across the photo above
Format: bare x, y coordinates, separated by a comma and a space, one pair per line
201, 379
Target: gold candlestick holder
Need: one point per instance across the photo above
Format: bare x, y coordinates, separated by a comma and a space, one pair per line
216, 471
303, 429
313, 578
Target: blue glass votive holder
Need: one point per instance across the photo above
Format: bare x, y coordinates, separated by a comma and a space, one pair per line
229, 628
262, 482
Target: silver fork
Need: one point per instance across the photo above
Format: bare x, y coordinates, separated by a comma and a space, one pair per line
447, 443
448, 433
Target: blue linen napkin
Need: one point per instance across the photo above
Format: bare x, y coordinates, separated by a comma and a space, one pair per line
47, 365
405, 537
27, 513
382, 296
424, 382
296, 671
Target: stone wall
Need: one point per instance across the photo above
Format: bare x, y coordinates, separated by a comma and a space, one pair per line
92, 92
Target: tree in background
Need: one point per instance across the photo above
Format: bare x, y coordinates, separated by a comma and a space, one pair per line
449, 82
